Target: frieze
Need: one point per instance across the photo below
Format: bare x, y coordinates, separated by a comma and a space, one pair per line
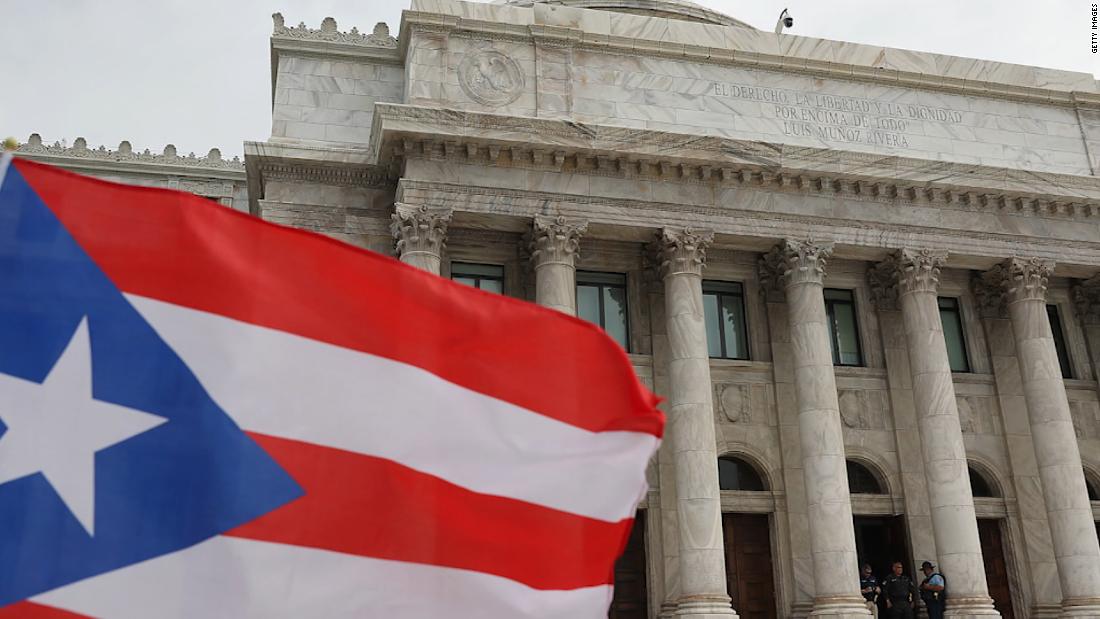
329, 175
329, 32
126, 153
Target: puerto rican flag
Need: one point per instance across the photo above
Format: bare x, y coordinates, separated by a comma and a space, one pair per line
206, 415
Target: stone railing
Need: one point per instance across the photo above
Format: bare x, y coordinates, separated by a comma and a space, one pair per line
126, 153
380, 37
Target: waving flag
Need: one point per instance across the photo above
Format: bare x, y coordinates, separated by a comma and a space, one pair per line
206, 415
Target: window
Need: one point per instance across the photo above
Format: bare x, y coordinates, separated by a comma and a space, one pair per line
861, 480
1059, 340
951, 319
840, 309
1090, 486
724, 315
736, 474
481, 276
601, 299
980, 486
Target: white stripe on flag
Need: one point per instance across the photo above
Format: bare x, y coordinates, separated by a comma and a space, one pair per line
241, 579
5, 161
280, 384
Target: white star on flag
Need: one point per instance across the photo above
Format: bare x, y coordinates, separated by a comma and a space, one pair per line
56, 427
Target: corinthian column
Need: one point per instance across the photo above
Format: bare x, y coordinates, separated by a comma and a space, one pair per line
420, 234
954, 524
681, 255
800, 265
1021, 284
553, 245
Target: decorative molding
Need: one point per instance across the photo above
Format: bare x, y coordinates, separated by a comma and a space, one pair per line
555, 240
729, 220
882, 278
681, 251
795, 262
568, 146
905, 271
1086, 297
419, 229
490, 77
125, 154
356, 176
1014, 280
328, 32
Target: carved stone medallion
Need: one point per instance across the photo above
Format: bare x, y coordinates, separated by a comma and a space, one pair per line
490, 78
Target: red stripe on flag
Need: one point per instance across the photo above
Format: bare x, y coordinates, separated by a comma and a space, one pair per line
185, 250
373, 507
30, 610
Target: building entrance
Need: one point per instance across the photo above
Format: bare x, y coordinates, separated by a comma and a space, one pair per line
881, 540
630, 600
996, 569
749, 577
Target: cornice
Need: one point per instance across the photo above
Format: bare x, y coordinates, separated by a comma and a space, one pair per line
412, 132
635, 46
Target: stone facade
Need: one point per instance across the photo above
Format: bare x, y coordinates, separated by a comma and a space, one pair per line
677, 146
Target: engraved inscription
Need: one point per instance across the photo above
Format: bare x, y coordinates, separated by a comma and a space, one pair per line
841, 118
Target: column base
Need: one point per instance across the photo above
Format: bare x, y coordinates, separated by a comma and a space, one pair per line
1079, 608
965, 608
705, 607
840, 608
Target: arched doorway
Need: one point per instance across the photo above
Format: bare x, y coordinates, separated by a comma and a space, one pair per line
989, 501
881, 533
746, 529
630, 599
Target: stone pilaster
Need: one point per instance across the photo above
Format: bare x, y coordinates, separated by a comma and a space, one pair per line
800, 266
1086, 297
553, 245
954, 523
681, 254
1020, 284
420, 234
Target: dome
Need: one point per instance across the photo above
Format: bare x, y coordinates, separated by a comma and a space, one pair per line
673, 9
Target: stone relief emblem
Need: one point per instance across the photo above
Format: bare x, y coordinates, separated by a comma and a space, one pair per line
734, 402
490, 78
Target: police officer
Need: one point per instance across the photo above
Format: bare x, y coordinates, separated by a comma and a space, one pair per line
868, 586
933, 590
900, 593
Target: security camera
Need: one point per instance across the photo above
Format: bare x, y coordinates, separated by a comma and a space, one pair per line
785, 21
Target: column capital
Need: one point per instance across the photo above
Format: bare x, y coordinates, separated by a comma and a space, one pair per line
555, 240
681, 250
1086, 296
1015, 279
419, 229
794, 262
904, 271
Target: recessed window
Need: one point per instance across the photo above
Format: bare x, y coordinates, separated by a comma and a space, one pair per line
601, 299
951, 318
861, 480
1059, 340
724, 315
736, 474
980, 486
840, 309
1092, 487
481, 276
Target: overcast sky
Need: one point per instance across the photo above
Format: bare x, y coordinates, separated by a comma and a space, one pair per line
196, 73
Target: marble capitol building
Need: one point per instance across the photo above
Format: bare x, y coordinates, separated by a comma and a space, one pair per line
865, 280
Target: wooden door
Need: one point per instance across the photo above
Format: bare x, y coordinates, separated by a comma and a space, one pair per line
630, 600
996, 570
749, 577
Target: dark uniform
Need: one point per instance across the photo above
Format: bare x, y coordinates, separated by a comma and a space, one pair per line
869, 582
900, 592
